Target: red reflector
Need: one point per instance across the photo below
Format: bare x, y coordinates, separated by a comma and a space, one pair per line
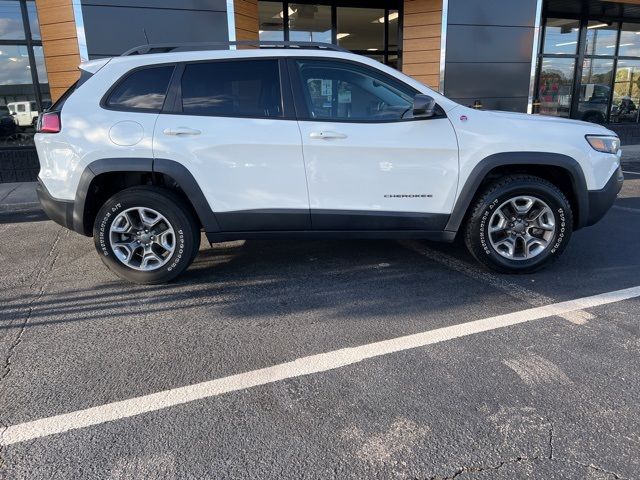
50, 123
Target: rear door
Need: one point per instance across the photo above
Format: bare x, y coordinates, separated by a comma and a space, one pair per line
232, 125
369, 164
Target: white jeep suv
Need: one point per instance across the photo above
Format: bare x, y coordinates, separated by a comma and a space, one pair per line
150, 148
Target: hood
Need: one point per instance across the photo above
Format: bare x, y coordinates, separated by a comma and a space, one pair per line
594, 128
538, 118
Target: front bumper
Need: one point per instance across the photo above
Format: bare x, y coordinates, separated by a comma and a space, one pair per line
60, 211
600, 201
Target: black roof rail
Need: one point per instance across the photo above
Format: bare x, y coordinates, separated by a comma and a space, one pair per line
194, 46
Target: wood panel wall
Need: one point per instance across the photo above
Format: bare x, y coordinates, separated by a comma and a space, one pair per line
60, 44
421, 40
246, 18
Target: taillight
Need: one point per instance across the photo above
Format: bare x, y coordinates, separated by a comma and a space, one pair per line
49, 123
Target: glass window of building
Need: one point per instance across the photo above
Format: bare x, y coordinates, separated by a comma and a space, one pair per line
555, 88
271, 18
393, 43
373, 32
24, 89
626, 92
606, 87
361, 28
34, 24
309, 23
601, 38
561, 35
595, 90
629, 40
11, 22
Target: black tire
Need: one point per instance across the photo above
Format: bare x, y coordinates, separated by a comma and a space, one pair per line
176, 212
476, 233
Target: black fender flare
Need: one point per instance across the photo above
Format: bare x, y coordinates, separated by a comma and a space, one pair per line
173, 169
480, 171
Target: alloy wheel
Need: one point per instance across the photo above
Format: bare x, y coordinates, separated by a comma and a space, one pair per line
142, 238
522, 228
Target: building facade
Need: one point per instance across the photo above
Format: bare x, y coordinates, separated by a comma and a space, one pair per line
570, 58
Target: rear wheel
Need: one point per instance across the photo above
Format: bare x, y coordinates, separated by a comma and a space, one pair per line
146, 235
519, 224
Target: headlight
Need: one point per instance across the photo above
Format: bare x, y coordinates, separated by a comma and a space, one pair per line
604, 144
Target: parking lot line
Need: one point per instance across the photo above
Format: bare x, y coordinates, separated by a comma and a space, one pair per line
302, 366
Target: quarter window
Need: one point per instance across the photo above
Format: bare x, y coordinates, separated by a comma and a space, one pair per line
347, 92
244, 88
143, 90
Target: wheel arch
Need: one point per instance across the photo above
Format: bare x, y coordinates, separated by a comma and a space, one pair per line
562, 170
104, 177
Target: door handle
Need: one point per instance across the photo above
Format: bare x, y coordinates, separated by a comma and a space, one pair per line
181, 131
326, 135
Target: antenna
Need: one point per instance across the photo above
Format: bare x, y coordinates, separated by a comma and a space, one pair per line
144, 30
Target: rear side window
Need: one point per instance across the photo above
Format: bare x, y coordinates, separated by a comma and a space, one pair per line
143, 90
246, 88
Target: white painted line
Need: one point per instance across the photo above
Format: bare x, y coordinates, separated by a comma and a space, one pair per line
630, 173
302, 366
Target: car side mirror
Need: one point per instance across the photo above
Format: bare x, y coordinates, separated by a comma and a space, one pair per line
424, 106
13, 113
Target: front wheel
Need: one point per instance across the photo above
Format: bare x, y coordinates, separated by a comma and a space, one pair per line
146, 235
519, 224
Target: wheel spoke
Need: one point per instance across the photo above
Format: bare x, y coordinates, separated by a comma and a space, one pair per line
500, 224
125, 250
149, 257
522, 205
509, 243
530, 242
148, 217
167, 240
123, 224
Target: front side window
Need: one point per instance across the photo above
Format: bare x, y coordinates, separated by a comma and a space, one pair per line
143, 90
237, 88
347, 92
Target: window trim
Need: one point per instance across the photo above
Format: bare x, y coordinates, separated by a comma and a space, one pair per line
302, 110
104, 101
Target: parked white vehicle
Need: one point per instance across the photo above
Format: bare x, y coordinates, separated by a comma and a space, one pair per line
25, 114
149, 149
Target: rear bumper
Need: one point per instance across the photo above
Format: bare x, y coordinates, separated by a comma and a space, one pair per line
60, 211
600, 201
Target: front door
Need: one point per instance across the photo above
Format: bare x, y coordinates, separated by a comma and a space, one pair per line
230, 129
370, 166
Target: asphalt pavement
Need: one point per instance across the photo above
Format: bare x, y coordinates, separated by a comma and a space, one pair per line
548, 394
